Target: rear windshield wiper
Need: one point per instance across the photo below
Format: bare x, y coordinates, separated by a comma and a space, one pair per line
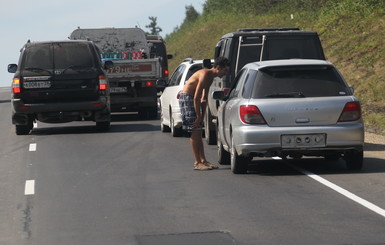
36, 69
286, 95
74, 67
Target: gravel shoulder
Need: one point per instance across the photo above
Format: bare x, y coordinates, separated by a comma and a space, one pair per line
375, 143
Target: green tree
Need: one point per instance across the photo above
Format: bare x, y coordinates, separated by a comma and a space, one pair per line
153, 26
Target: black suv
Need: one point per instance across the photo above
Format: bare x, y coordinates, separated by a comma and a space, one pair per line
249, 45
58, 82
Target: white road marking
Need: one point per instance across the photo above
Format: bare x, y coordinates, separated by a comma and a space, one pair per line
29, 187
32, 147
339, 189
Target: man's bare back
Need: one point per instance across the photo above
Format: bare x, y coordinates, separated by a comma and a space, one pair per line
199, 82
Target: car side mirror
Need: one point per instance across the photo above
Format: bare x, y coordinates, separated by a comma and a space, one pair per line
207, 64
218, 95
108, 64
12, 68
170, 56
160, 85
351, 90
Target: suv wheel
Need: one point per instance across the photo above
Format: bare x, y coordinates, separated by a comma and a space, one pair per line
22, 129
103, 126
223, 155
354, 160
210, 132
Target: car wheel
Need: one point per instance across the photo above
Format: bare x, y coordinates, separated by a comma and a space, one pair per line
223, 156
354, 160
103, 126
238, 163
210, 132
22, 129
175, 132
163, 128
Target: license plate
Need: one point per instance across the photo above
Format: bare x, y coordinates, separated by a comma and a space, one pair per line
37, 84
118, 90
303, 141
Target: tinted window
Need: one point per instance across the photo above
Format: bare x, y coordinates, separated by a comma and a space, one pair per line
58, 55
299, 81
192, 70
177, 75
39, 56
72, 54
249, 51
291, 48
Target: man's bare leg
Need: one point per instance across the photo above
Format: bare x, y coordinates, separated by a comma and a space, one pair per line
198, 151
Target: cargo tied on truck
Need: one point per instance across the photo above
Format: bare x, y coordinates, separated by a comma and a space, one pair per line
135, 78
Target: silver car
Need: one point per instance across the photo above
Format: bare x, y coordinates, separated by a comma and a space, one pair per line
289, 108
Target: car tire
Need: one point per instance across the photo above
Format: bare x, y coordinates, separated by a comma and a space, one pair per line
354, 160
163, 128
238, 163
103, 126
224, 157
22, 129
210, 132
175, 132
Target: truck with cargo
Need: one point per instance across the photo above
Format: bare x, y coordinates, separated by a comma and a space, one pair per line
250, 45
135, 76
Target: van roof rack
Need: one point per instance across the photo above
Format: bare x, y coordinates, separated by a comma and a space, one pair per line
267, 29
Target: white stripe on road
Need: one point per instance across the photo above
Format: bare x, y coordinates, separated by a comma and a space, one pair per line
29, 187
340, 190
32, 147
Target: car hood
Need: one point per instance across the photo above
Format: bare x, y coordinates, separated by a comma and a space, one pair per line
302, 111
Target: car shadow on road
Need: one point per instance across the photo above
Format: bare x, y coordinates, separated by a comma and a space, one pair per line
317, 166
374, 147
5, 101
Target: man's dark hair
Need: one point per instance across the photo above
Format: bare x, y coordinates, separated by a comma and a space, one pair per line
221, 61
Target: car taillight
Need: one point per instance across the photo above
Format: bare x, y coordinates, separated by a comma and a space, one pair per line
250, 114
178, 95
16, 86
351, 112
149, 84
103, 84
165, 72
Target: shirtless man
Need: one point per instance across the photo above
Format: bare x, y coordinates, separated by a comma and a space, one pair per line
193, 102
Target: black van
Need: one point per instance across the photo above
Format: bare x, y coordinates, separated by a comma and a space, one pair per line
158, 50
249, 45
57, 82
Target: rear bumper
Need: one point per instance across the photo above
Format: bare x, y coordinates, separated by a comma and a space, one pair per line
266, 141
98, 110
20, 107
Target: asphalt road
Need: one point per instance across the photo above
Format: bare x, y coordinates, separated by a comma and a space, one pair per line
67, 184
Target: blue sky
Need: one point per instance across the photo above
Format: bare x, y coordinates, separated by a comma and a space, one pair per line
42, 20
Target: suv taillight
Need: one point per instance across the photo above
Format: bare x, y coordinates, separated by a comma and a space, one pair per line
16, 86
103, 84
251, 114
351, 112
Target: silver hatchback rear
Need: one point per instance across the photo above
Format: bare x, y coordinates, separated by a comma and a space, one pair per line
289, 108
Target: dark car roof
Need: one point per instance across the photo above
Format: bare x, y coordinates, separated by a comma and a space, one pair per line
271, 32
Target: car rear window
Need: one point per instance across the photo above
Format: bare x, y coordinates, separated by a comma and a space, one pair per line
298, 81
58, 56
72, 54
278, 48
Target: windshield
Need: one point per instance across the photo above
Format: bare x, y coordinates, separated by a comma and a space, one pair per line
299, 81
50, 56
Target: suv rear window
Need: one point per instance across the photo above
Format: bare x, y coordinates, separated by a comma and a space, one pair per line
298, 81
292, 48
58, 56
